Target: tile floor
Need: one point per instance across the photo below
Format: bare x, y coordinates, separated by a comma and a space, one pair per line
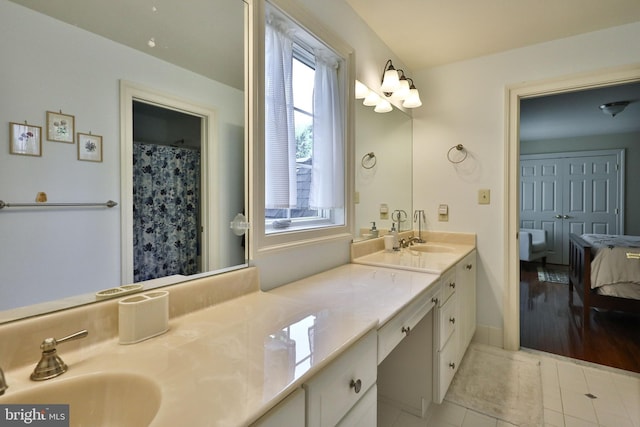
575, 394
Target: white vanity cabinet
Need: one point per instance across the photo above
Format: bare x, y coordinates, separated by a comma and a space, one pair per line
455, 322
290, 412
466, 278
446, 332
335, 395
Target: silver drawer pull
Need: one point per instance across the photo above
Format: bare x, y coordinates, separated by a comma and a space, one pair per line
406, 329
452, 285
452, 320
356, 385
468, 266
452, 365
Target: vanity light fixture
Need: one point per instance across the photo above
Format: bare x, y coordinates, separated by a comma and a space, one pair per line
614, 108
372, 99
395, 84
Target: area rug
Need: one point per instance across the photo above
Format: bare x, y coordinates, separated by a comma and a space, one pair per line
546, 275
499, 383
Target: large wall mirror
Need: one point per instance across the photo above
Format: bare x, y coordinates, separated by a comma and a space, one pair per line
65, 65
383, 168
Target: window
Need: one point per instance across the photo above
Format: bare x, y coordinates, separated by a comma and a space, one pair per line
304, 132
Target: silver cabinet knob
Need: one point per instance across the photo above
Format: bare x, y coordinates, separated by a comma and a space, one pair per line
452, 365
558, 217
434, 300
452, 320
468, 266
406, 329
452, 285
356, 385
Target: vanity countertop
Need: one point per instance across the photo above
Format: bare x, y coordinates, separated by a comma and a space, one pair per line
228, 364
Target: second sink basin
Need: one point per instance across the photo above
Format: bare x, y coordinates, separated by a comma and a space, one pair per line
432, 247
101, 399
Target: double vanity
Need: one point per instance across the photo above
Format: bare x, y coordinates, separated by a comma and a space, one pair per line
321, 351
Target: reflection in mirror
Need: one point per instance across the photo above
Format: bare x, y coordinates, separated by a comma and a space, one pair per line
385, 178
57, 257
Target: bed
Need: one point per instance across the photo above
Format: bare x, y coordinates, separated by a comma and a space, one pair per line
605, 270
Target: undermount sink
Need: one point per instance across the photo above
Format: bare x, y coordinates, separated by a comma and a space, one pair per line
101, 399
431, 247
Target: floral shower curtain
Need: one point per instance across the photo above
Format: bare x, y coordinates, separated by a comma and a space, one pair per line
166, 190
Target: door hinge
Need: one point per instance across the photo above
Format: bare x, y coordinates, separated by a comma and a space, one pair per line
617, 167
617, 211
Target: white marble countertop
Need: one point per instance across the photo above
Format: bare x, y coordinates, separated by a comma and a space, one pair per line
228, 364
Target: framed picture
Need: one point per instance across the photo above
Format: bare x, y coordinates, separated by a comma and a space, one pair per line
89, 147
60, 127
25, 139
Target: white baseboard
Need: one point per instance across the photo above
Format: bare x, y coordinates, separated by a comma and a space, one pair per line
489, 335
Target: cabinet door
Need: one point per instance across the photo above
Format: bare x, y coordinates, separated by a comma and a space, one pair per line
364, 413
290, 412
335, 390
466, 280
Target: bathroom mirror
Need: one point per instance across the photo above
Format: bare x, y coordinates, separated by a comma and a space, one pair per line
383, 168
65, 63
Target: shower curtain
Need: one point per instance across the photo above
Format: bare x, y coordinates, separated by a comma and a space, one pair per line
166, 191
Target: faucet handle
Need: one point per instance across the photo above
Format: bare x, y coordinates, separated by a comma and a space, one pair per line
3, 383
50, 364
50, 343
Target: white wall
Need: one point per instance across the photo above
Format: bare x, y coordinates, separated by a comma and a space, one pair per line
49, 65
464, 103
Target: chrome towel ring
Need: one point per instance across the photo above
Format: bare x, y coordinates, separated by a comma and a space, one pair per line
369, 160
459, 148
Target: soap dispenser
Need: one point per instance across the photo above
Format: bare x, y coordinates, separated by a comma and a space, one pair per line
394, 233
373, 231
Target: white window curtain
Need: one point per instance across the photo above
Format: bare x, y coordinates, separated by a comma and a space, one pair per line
280, 141
327, 178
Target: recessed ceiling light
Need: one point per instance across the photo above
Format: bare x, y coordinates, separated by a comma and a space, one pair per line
151, 42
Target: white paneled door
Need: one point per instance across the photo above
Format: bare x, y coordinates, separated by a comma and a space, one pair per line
576, 192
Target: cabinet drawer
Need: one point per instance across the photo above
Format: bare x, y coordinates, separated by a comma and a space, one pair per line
448, 320
448, 285
447, 367
394, 331
333, 391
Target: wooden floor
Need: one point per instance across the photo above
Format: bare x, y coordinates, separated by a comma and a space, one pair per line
548, 324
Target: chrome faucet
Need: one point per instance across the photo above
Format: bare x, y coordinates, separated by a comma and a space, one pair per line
405, 243
3, 383
50, 365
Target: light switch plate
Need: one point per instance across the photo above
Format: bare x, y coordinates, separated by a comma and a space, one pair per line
484, 196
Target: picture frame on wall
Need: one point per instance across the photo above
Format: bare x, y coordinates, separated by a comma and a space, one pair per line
89, 147
60, 127
25, 139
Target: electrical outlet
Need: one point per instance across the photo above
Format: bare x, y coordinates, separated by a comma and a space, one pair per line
484, 196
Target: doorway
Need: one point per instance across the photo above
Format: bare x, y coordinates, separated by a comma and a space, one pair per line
167, 147
145, 100
512, 192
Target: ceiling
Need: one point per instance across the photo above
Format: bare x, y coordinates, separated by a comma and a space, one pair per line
434, 32
427, 33
207, 37
437, 32
576, 114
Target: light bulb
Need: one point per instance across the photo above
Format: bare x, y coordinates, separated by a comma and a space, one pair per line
383, 106
403, 90
391, 80
361, 90
413, 100
371, 99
